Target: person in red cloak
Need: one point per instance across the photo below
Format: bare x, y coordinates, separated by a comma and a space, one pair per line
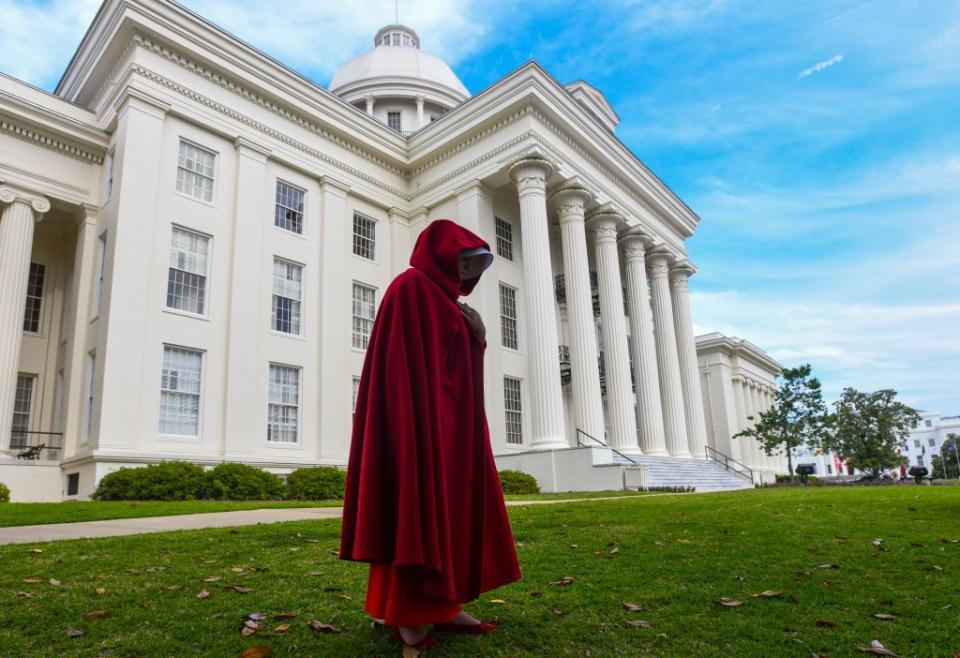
423, 501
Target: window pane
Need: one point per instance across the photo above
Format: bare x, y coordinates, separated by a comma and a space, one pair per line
195, 167
186, 280
283, 404
180, 391
31, 314
504, 239
364, 237
508, 317
289, 208
287, 296
513, 410
364, 312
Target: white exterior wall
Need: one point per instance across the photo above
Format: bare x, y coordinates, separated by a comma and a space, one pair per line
926, 440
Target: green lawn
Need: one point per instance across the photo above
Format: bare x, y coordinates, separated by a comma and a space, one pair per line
677, 556
18, 514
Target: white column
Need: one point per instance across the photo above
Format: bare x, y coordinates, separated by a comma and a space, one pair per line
585, 373
244, 369
649, 405
20, 212
622, 414
738, 446
420, 117
687, 352
668, 362
369, 100
761, 456
546, 404
749, 444
84, 274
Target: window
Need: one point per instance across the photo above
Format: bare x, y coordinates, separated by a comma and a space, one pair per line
928, 423
288, 213
906, 447
829, 469
919, 460
98, 283
913, 424
356, 391
364, 312
195, 168
108, 176
364, 237
73, 484
22, 403
287, 296
180, 391
187, 280
504, 238
513, 411
393, 120
31, 314
932, 442
88, 408
283, 407
396, 39
916, 443
508, 316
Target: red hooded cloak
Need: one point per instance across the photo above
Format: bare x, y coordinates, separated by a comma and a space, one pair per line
422, 488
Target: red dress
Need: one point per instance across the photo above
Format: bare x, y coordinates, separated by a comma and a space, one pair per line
423, 500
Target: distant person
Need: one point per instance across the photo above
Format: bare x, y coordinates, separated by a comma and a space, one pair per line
423, 502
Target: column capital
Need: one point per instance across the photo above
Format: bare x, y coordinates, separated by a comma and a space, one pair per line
250, 148
659, 259
39, 204
530, 173
570, 200
605, 221
680, 272
635, 245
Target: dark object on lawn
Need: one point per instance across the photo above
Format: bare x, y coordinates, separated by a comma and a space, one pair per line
804, 470
918, 473
33, 452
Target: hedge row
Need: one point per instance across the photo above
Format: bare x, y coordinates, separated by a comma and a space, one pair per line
178, 480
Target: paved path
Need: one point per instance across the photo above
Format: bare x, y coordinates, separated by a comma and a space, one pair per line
117, 527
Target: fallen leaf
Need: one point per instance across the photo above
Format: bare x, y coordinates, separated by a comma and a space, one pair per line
212, 579
257, 616
282, 628
498, 601
72, 632
173, 587
202, 594
878, 541
726, 601
826, 623
566, 580
614, 550
740, 578
344, 597
558, 612
32, 581
323, 628
257, 651
35, 550
658, 543
156, 569
769, 594
884, 616
27, 595
938, 567
101, 590
237, 569
54, 582
574, 546
632, 607
239, 588
828, 565
637, 623
95, 614
876, 649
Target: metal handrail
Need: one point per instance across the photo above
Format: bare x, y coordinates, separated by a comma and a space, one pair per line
598, 441
726, 461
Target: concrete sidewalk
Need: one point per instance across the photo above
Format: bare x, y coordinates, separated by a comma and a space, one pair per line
116, 527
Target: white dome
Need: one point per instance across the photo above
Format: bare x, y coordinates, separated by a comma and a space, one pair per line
402, 64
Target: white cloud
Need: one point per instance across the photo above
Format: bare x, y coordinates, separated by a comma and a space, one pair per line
38, 39
819, 66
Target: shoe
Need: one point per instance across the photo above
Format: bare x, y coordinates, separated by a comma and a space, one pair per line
466, 629
428, 642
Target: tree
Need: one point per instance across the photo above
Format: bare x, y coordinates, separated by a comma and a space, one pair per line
946, 461
797, 417
869, 427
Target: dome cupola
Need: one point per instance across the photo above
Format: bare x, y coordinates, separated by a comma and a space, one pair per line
398, 83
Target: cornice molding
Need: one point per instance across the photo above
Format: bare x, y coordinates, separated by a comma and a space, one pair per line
50, 141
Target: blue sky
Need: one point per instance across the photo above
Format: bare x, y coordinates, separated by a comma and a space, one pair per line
818, 141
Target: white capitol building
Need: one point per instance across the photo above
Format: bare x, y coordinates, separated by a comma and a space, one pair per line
194, 241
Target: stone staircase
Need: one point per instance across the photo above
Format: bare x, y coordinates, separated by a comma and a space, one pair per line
705, 475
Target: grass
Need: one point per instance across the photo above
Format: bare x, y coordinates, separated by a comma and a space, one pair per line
20, 514
677, 556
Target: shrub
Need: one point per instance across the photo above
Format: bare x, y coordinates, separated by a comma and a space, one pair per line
785, 480
316, 483
235, 481
517, 482
173, 480
4, 493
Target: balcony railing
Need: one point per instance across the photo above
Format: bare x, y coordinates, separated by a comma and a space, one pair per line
31, 445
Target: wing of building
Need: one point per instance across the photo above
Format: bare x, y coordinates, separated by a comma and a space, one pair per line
195, 238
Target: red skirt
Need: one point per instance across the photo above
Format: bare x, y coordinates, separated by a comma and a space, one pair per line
394, 595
